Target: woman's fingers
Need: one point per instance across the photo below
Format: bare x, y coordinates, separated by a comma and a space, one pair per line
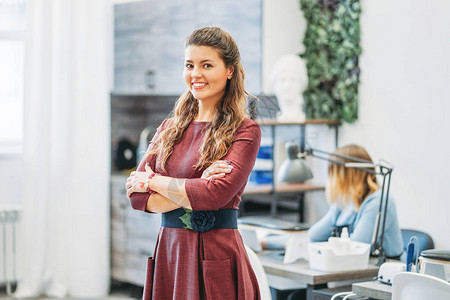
148, 169
216, 176
222, 166
136, 181
131, 188
221, 163
130, 180
129, 183
217, 169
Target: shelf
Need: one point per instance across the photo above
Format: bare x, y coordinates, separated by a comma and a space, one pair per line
306, 122
281, 188
298, 189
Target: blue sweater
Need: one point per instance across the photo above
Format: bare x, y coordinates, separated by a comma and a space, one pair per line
361, 224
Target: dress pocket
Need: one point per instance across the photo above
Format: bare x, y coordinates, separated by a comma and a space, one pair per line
219, 279
148, 280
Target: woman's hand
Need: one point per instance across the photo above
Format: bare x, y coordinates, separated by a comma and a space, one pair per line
136, 183
217, 169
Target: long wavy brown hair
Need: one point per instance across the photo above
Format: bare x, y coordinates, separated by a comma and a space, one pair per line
230, 111
345, 183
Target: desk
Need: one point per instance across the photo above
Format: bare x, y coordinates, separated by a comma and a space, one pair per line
299, 270
373, 289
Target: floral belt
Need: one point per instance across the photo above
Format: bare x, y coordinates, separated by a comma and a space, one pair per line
200, 220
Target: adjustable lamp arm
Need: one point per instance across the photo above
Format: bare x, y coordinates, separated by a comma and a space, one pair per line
378, 249
356, 163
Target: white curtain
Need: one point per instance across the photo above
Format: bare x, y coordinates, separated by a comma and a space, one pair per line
65, 236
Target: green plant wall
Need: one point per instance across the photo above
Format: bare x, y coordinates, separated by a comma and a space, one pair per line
332, 49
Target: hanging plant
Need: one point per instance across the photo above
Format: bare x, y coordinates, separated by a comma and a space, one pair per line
332, 49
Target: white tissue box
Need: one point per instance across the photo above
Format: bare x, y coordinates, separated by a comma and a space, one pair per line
324, 257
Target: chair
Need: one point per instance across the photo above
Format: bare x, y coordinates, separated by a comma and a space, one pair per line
258, 268
414, 286
424, 239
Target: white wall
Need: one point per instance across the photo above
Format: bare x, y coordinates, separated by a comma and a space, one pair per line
404, 103
283, 27
404, 99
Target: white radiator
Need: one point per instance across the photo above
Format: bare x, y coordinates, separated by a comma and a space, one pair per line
9, 218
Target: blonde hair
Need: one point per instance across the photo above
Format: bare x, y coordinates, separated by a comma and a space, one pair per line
230, 111
346, 183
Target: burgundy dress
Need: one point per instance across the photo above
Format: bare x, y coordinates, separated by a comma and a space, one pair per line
213, 264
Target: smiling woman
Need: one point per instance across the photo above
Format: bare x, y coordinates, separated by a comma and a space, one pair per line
194, 172
206, 76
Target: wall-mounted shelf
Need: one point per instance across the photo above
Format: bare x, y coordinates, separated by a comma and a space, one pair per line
276, 189
274, 123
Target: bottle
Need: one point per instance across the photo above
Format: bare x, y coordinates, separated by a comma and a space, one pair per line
344, 240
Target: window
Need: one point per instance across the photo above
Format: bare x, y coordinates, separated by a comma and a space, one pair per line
12, 54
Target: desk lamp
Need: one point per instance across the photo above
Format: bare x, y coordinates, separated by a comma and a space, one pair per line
294, 169
382, 168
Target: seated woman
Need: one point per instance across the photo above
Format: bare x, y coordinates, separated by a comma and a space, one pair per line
354, 197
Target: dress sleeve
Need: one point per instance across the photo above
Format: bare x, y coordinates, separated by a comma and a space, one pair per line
206, 194
321, 231
138, 201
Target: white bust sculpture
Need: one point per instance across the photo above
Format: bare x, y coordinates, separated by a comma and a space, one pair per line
289, 79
